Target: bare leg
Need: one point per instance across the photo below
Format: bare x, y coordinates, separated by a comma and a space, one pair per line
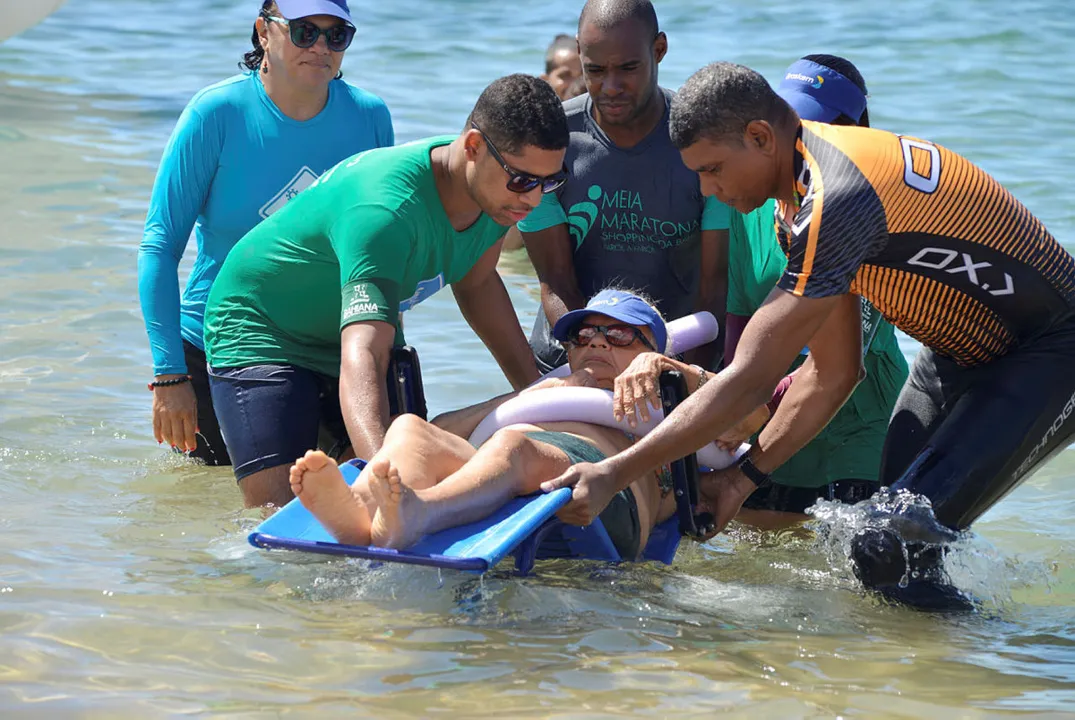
318, 483
267, 487
421, 453
509, 464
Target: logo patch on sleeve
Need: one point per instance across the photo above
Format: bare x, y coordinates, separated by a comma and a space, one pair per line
360, 302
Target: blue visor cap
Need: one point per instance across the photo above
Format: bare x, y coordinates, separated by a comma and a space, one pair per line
292, 9
618, 305
821, 94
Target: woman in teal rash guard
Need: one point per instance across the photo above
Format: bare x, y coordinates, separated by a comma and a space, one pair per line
240, 151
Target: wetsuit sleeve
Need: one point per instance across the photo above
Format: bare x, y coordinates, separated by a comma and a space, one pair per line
371, 244
548, 213
831, 235
179, 193
715, 215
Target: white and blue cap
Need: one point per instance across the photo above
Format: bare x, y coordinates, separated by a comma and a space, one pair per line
618, 305
292, 9
820, 93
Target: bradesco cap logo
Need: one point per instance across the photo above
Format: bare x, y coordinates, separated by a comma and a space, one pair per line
815, 81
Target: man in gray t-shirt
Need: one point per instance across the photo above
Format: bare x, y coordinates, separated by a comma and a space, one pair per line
631, 214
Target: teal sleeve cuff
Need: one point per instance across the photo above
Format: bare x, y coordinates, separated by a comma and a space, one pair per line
716, 215
547, 214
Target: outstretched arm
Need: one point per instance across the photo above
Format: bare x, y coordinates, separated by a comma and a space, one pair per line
822, 385
772, 339
365, 350
770, 342
484, 302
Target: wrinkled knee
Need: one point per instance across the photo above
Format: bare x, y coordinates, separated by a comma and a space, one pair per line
407, 424
528, 455
510, 440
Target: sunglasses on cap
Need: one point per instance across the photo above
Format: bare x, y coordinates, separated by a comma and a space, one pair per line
304, 33
522, 182
616, 335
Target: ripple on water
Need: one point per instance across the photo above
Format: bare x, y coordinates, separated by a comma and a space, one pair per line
126, 583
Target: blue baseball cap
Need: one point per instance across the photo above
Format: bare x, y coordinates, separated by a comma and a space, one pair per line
291, 9
618, 305
820, 93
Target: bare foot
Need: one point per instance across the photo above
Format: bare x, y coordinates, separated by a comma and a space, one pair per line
318, 484
400, 518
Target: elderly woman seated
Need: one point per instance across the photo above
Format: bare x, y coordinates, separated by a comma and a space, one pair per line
427, 477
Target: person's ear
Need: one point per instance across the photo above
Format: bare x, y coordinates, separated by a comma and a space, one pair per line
262, 29
472, 142
660, 47
761, 136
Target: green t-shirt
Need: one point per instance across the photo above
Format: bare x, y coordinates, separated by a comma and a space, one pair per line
367, 241
850, 446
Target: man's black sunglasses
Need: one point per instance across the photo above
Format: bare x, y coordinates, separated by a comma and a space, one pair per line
523, 182
304, 33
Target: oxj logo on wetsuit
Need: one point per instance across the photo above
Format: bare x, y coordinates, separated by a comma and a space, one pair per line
940, 258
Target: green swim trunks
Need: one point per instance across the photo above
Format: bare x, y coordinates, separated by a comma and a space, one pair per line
620, 518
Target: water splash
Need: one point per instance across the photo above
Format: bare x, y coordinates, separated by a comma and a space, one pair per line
969, 562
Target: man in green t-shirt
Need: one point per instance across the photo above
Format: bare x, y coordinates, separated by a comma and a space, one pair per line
843, 461
301, 321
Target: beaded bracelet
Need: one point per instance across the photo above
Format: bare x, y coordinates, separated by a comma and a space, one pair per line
168, 383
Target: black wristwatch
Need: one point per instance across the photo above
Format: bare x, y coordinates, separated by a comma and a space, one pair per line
755, 475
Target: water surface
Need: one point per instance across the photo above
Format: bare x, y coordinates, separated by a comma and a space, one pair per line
126, 585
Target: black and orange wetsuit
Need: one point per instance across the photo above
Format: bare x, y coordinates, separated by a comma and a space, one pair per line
935, 243
955, 261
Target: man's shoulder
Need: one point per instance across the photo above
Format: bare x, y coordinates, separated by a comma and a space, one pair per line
834, 148
407, 164
575, 109
390, 183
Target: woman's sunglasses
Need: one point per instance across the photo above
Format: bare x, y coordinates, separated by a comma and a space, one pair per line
304, 33
617, 335
521, 182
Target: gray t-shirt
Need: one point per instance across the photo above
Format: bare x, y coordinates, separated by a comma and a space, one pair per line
635, 216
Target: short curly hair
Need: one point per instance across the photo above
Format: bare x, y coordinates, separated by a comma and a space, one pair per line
719, 101
517, 111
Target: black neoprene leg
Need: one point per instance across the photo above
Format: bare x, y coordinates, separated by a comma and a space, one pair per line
918, 412
1002, 428
1010, 419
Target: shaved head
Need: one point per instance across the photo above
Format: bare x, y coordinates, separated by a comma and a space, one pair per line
607, 14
